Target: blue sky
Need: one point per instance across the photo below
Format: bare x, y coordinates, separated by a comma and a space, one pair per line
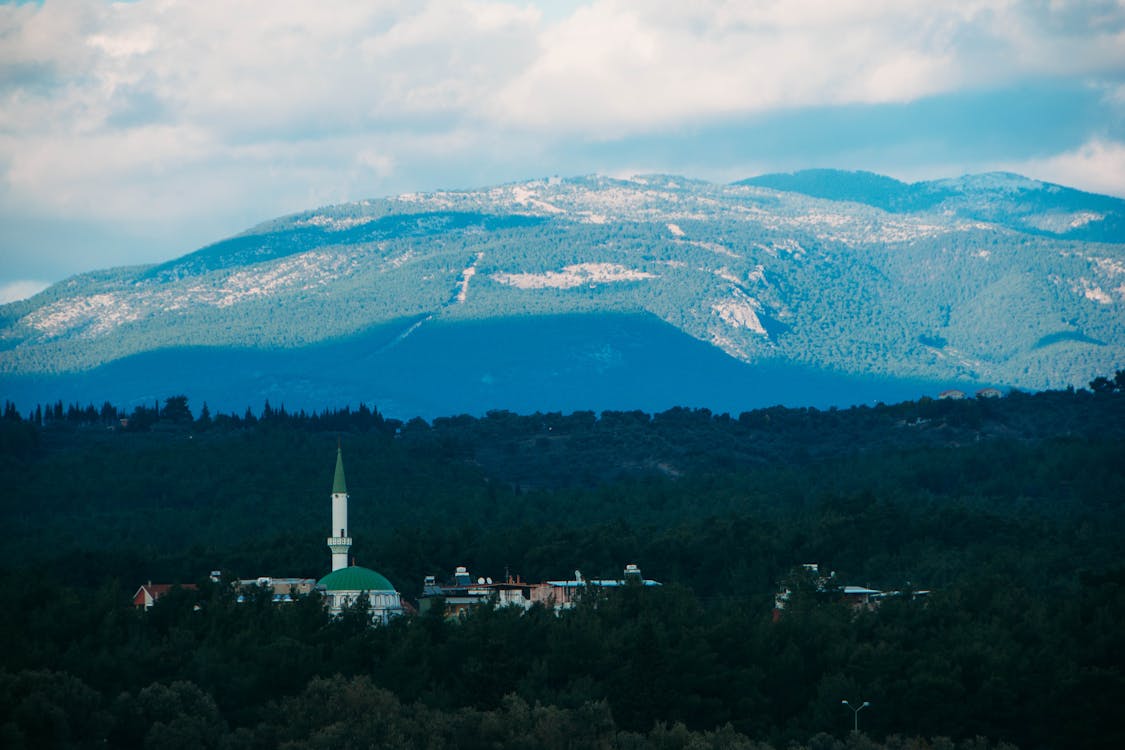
136, 132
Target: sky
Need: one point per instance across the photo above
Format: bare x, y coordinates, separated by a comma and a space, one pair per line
135, 132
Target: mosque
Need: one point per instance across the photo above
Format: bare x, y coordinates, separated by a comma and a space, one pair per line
344, 586
348, 584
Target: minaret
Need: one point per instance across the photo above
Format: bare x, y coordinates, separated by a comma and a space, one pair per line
339, 542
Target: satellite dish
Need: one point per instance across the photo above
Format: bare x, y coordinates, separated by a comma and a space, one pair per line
480, 580
489, 580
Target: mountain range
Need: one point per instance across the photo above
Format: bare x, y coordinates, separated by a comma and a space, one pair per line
816, 288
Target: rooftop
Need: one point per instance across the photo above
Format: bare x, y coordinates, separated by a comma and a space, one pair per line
355, 578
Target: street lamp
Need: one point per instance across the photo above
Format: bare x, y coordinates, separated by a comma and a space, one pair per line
856, 711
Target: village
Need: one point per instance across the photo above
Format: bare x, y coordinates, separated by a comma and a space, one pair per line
349, 585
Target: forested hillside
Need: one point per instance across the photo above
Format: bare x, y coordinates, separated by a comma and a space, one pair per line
1010, 511
987, 280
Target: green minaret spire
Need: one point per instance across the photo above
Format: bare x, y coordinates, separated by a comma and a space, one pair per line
339, 487
339, 543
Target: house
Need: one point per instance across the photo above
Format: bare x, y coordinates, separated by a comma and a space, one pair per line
952, 394
989, 393
856, 597
860, 597
281, 589
462, 593
149, 592
565, 594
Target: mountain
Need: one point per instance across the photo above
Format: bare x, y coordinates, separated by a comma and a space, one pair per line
997, 197
819, 288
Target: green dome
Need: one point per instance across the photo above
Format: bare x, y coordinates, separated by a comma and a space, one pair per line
355, 578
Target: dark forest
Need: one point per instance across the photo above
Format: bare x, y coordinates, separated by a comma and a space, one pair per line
1009, 511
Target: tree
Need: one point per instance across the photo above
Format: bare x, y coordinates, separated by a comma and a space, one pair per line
176, 410
179, 715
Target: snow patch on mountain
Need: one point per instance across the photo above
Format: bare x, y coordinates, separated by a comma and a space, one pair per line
725, 274
740, 311
398, 261
1094, 293
96, 314
524, 196
1110, 267
787, 246
1062, 222
579, 274
713, 247
334, 223
305, 271
466, 277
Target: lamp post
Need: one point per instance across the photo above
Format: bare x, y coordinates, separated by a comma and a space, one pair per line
855, 712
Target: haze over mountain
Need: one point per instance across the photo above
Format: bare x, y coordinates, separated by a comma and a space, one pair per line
820, 287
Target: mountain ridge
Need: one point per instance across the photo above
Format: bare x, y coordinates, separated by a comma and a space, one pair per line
897, 196
976, 287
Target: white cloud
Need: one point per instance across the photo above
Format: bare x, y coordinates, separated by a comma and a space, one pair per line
380, 164
17, 290
166, 111
622, 66
1098, 166
119, 111
136, 88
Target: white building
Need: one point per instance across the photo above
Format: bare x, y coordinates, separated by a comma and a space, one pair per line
347, 584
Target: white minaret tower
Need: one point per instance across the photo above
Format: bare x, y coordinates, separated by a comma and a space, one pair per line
339, 542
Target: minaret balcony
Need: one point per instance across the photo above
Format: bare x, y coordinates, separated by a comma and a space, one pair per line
339, 544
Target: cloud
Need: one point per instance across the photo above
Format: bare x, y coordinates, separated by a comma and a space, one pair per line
380, 164
117, 101
171, 115
621, 67
17, 290
1098, 166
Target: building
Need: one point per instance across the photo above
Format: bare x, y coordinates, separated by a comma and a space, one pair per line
565, 594
462, 593
282, 590
861, 597
343, 588
989, 393
856, 597
347, 585
952, 394
149, 592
